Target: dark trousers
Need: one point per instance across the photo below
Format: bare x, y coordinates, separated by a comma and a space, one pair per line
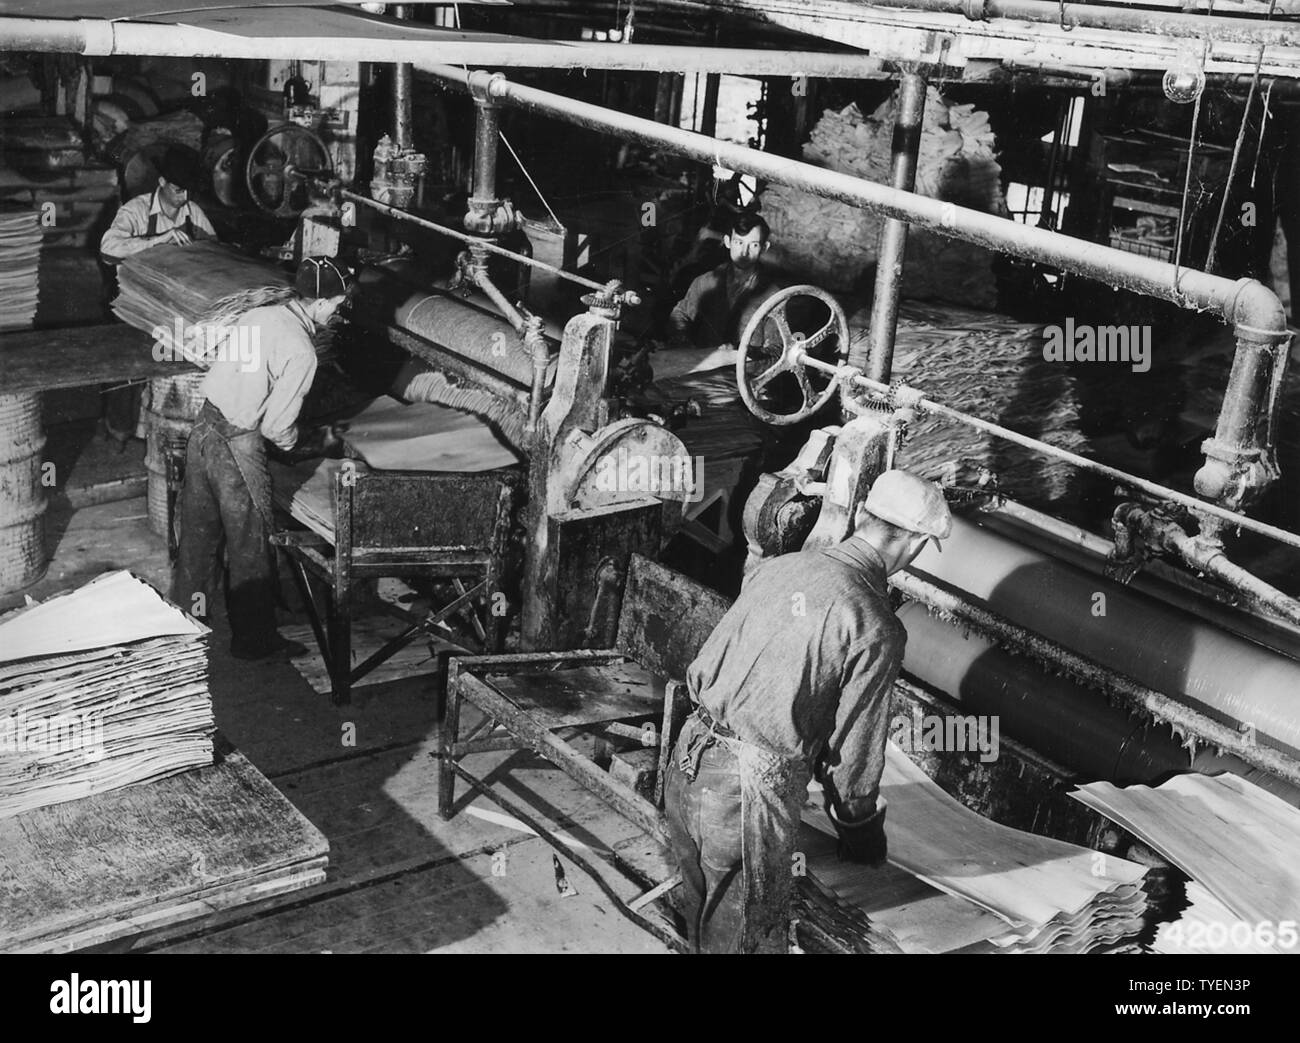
227, 497
733, 817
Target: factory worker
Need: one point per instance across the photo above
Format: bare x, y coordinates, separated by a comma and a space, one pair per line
253, 392
158, 218
795, 682
720, 302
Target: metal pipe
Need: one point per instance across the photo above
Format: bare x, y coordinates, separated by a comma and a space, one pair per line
102, 38
1205, 555
893, 234
900, 396
1231, 473
535, 342
1219, 29
1242, 300
465, 237
403, 137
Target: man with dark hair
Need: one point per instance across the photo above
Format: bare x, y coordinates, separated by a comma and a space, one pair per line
158, 218
254, 391
720, 302
794, 682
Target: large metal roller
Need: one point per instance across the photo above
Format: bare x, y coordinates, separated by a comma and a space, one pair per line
466, 326
1224, 676
1073, 725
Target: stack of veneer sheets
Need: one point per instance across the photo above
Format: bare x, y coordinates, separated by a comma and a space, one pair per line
102, 687
1240, 845
958, 882
173, 287
20, 256
989, 366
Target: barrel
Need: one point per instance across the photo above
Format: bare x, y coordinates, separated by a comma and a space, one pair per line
22, 496
172, 405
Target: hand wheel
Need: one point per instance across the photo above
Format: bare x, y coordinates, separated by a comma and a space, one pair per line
759, 362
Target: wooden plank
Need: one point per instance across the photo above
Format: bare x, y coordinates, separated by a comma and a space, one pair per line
99, 867
80, 356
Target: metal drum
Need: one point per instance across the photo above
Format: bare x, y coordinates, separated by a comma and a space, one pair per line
22, 496
172, 405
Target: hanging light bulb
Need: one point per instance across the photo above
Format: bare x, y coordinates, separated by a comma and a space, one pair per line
1185, 78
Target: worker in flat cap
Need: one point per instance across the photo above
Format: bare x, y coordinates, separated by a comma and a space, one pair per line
794, 683
262, 370
164, 216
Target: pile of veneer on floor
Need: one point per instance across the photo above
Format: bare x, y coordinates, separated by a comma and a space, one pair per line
832, 244
168, 285
102, 687
960, 882
1240, 845
991, 367
20, 258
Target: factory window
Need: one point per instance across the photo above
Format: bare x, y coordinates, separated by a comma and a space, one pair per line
737, 106
1029, 204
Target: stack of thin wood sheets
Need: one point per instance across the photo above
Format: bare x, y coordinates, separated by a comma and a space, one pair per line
20, 256
305, 492
118, 864
164, 285
960, 882
1238, 841
102, 687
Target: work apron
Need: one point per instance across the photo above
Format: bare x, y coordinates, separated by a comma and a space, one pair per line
773, 788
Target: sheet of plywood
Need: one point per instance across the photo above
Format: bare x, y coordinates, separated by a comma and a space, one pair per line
112, 865
1238, 840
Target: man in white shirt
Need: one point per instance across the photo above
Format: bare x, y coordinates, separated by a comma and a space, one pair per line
156, 218
253, 393
165, 215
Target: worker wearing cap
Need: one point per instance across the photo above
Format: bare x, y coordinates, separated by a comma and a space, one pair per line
158, 218
794, 682
251, 397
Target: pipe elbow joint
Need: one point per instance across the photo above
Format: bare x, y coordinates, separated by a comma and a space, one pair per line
1256, 312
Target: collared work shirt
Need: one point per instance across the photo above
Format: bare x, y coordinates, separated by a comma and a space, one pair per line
718, 305
804, 664
263, 371
130, 229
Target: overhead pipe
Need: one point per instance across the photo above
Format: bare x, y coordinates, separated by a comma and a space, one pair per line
1254, 31
99, 37
403, 136
893, 233
1235, 470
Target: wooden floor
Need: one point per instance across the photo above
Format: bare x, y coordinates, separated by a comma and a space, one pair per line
400, 879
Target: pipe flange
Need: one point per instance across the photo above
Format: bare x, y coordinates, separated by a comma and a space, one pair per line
484, 86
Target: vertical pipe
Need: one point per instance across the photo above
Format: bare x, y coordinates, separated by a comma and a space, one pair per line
893, 236
709, 120
402, 134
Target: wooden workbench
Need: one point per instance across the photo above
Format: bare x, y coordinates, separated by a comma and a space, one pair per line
79, 356
121, 863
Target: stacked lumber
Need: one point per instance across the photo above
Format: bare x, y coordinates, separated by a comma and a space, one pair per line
118, 864
170, 285
20, 257
1239, 842
833, 244
102, 687
1006, 891
991, 367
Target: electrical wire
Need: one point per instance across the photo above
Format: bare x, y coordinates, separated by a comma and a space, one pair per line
1232, 167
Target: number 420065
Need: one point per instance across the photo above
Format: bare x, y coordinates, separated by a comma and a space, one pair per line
1240, 935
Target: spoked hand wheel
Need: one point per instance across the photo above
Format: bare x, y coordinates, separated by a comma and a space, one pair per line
279, 166
769, 375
